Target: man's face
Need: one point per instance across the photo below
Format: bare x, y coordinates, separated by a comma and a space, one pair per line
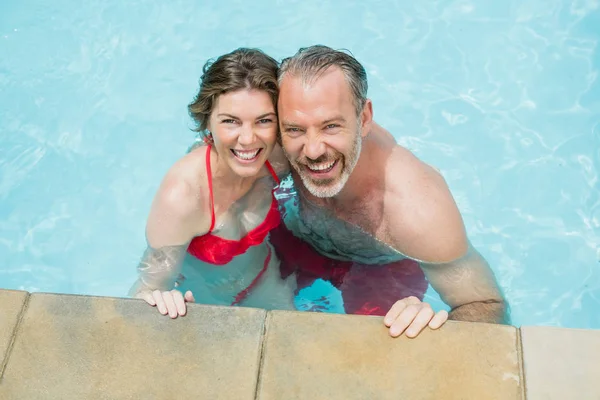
321, 132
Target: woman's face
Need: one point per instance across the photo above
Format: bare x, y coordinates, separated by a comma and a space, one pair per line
244, 129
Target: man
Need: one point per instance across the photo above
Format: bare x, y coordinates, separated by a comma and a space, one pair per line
370, 207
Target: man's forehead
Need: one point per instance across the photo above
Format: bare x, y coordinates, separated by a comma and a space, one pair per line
332, 78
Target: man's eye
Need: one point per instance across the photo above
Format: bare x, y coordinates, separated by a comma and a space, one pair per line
331, 126
293, 130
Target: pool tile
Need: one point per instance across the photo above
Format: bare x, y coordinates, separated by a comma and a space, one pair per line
561, 363
76, 347
324, 356
11, 304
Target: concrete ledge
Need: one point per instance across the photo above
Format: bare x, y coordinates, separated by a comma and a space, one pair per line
12, 304
82, 347
78, 347
561, 363
310, 356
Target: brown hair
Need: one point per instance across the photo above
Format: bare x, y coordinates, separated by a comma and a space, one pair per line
243, 68
310, 62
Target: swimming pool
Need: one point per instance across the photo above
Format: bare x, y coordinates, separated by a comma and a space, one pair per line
503, 97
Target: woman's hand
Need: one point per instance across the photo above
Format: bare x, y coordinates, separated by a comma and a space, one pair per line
169, 302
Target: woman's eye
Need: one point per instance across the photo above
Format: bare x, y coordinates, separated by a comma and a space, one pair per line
228, 121
265, 120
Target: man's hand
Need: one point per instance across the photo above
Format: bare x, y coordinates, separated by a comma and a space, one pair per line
168, 302
412, 315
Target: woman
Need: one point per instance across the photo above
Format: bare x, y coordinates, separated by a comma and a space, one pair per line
210, 218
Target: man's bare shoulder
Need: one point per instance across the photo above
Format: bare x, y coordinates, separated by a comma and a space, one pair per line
279, 162
424, 219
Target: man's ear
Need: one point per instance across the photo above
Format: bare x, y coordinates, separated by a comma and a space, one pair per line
366, 117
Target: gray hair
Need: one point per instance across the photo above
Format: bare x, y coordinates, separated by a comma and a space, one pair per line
310, 62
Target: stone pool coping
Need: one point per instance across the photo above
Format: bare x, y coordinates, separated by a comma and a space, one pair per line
55, 346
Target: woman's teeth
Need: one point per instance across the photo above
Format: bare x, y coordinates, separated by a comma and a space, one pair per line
321, 167
246, 154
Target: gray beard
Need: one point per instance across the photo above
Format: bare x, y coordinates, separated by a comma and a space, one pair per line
336, 187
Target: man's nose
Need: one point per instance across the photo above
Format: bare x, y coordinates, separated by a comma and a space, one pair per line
314, 147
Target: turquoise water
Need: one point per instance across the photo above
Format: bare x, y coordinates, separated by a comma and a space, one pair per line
502, 96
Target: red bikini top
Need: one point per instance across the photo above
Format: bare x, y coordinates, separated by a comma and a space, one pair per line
219, 251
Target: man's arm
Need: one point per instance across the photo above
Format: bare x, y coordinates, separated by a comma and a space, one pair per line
491, 311
279, 162
469, 287
427, 226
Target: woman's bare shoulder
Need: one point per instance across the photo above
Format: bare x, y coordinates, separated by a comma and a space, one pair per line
178, 208
189, 171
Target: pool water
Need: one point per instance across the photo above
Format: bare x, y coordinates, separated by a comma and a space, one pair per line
502, 96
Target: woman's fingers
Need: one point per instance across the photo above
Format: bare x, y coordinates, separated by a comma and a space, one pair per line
168, 302
148, 298
179, 302
160, 303
189, 297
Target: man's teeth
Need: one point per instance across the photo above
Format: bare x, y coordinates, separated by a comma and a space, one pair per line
246, 155
322, 166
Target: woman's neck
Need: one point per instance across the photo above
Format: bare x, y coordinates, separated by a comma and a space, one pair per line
227, 180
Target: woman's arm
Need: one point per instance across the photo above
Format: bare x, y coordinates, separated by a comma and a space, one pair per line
175, 218
158, 269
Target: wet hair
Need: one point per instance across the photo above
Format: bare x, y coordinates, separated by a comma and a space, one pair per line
243, 68
310, 62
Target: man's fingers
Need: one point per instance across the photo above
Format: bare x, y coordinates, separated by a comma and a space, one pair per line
421, 320
394, 312
179, 301
160, 303
397, 308
404, 320
439, 319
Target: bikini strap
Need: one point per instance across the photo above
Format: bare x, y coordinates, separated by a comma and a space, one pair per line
210, 190
272, 171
